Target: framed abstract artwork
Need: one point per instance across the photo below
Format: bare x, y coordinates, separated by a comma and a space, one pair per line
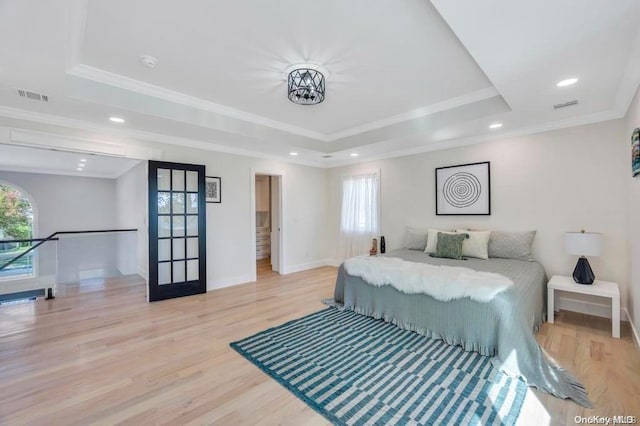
635, 152
464, 189
213, 189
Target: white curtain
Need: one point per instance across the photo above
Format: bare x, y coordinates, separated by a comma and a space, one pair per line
359, 222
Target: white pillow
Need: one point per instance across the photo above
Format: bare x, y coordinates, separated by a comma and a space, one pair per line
477, 245
432, 240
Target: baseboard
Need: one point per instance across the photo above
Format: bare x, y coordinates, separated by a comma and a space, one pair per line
243, 279
27, 284
333, 262
228, 282
634, 330
143, 273
305, 266
590, 308
90, 274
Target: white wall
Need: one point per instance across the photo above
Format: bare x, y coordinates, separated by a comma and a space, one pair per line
229, 239
131, 212
230, 242
69, 203
632, 120
553, 182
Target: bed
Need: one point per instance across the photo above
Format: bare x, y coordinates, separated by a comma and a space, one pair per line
503, 327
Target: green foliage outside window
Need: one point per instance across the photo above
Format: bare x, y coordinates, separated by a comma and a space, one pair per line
16, 214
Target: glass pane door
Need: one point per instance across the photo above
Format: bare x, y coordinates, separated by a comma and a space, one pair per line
177, 230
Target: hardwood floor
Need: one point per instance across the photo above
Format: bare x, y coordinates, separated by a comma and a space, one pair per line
102, 355
264, 269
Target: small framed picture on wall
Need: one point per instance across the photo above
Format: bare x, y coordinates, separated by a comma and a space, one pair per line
213, 189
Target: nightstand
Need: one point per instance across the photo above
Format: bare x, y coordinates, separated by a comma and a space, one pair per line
598, 288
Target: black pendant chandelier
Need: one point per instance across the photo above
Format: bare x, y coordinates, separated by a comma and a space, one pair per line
306, 86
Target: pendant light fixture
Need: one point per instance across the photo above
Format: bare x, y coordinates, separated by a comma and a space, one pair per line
306, 86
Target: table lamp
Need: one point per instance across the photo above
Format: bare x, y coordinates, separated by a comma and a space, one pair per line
583, 244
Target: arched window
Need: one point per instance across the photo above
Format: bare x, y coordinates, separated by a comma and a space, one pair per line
16, 223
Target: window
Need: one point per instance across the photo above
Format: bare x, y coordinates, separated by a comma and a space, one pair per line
16, 223
360, 213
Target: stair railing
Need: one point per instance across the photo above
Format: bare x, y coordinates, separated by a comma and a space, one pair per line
52, 237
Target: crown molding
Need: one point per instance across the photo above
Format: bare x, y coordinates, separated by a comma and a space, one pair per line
77, 16
82, 174
34, 139
49, 140
445, 105
108, 78
474, 140
171, 140
126, 83
142, 136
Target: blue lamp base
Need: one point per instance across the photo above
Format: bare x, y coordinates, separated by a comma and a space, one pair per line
583, 274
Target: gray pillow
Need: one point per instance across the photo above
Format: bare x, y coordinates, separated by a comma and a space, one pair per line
511, 245
415, 239
449, 245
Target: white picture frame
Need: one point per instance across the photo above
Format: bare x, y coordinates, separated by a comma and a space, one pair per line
463, 189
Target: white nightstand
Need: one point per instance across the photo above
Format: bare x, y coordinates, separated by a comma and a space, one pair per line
598, 288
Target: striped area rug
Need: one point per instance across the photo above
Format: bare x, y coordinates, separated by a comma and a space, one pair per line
357, 370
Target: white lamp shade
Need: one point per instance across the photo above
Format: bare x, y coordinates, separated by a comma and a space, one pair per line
583, 243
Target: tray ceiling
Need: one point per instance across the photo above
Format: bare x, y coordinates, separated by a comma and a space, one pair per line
402, 76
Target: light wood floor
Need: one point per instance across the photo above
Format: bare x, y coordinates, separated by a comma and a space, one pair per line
102, 355
264, 269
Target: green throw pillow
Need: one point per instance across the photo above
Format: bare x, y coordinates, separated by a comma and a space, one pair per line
450, 245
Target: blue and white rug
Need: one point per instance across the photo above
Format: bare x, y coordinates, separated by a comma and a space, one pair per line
357, 370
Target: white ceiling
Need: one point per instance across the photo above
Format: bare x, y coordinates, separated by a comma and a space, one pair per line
403, 77
34, 160
236, 54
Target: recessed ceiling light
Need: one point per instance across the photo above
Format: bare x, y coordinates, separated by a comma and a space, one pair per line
83, 160
117, 119
293, 154
79, 169
354, 154
495, 125
567, 82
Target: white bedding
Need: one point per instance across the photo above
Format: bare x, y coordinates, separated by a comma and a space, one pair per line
441, 282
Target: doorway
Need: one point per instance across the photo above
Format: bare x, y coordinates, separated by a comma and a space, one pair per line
267, 201
92, 213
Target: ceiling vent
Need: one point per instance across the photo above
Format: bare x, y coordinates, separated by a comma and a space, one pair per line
33, 96
565, 104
